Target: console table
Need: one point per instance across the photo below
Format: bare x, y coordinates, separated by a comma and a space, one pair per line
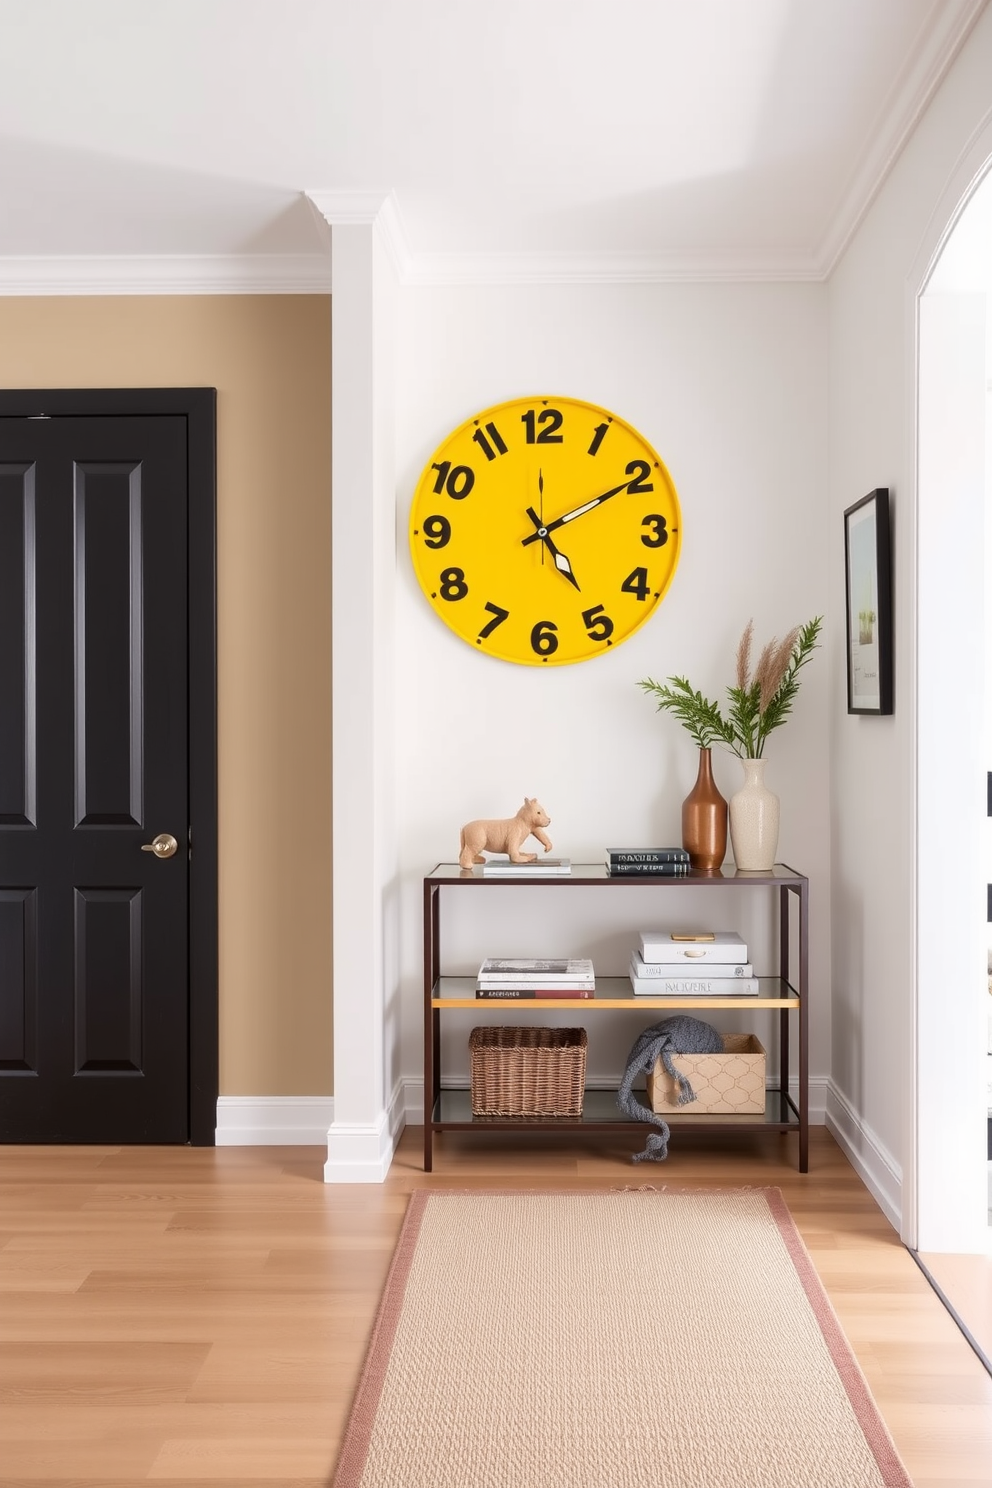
451, 1109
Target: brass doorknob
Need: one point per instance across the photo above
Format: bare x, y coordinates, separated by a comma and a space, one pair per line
164, 845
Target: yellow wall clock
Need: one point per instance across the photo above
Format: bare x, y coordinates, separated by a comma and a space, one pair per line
545, 531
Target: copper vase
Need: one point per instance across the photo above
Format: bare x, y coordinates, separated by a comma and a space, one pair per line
704, 819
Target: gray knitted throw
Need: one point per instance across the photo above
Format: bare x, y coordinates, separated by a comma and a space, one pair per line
676, 1035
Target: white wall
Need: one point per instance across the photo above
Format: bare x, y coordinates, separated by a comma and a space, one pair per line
872, 443
728, 382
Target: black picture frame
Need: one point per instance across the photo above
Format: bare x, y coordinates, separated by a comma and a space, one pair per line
868, 603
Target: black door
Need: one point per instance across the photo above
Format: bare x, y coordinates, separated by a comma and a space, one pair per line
95, 810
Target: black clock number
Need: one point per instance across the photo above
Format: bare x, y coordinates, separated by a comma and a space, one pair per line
453, 585
457, 480
483, 443
636, 582
543, 639
437, 532
550, 435
660, 537
599, 626
640, 470
598, 435
498, 617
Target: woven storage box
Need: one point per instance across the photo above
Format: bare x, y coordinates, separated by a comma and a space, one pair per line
527, 1071
732, 1082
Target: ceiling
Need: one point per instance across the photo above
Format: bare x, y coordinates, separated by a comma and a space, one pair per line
646, 139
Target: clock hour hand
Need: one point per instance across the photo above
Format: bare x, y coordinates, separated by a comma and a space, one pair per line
576, 511
561, 562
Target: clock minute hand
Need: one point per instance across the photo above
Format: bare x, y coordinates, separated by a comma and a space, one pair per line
561, 562
577, 511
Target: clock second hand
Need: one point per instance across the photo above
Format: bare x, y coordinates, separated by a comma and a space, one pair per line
540, 489
576, 512
561, 562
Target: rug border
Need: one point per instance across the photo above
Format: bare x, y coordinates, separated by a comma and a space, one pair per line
868, 1416
361, 1419
365, 1404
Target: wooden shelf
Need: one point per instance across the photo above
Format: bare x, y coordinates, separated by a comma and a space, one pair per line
611, 992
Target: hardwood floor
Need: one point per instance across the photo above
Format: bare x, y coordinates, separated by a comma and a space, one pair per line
966, 1282
196, 1317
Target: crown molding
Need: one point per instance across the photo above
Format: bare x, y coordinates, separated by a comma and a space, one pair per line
379, 209
905, 103
605, 268
249, 273
374, 208
310, 273
356, 208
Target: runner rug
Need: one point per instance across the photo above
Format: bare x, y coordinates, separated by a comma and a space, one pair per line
632, 1339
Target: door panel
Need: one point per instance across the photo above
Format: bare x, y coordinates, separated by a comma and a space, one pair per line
107, 981
18, 626
94, 978
19, 961
109, 649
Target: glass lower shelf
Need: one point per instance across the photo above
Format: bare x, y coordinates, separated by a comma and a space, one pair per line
599, 1109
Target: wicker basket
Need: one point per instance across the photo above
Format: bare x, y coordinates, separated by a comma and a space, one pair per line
527, 1071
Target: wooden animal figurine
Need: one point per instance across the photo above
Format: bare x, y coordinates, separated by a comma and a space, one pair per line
507, 835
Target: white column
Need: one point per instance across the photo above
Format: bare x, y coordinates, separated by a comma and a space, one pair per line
367, 1116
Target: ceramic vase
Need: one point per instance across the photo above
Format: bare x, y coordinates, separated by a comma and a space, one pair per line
754, 820
704, 819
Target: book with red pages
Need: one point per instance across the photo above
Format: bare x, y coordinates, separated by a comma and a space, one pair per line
513, 994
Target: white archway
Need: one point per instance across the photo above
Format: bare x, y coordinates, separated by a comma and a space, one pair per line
945, 1199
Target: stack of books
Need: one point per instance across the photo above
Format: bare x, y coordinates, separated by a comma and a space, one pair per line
540, 868
710, 963
637, 862
534, 977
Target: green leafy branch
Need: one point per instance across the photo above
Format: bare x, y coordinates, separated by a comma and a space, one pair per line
695, 712
757, 704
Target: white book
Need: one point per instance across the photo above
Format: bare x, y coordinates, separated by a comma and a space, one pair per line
722, 946
551, 968
694, 986
533, 984
503, 868
663, 970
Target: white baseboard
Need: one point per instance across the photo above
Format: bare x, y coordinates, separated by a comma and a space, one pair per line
355, 1153
273, 1120
413, 1100
873, 1163
362, 1153
818, 1088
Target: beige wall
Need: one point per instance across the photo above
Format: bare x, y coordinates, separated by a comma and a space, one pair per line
269, 357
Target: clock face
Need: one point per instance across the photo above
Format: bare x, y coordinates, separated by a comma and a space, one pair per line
545, 531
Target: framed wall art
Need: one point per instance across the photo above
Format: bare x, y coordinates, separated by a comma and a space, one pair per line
868, 556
